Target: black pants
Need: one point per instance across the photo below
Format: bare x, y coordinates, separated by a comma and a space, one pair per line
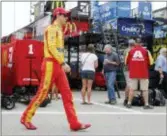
164, 82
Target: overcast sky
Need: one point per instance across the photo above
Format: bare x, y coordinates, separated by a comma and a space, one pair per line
17, 15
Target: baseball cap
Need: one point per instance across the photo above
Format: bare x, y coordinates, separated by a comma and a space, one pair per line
58, 11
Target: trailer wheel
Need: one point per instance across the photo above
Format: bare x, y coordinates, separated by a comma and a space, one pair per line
8, 103
26, 99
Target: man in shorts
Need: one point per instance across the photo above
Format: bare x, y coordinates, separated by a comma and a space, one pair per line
138, 61
131, 44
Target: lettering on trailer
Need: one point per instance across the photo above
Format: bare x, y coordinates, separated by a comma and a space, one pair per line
137, 56
30, 51
10, 57
29, 79
133, 29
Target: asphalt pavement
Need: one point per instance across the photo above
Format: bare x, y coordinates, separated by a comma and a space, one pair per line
105, 119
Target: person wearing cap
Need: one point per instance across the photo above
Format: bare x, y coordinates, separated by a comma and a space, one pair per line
53, 71
131, 44
110, 67
138, 60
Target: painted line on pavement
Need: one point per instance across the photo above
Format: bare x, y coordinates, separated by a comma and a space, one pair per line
112, 106
84, 113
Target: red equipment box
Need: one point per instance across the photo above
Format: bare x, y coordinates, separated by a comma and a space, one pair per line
100, 80
21, 64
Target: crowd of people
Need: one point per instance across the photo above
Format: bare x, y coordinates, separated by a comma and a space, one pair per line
138, 61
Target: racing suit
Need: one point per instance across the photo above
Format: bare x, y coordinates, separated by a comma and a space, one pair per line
52, 72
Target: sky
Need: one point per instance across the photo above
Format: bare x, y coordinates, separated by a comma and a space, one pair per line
16, 15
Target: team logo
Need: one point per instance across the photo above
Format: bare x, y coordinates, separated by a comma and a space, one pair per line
70, 27
138, 56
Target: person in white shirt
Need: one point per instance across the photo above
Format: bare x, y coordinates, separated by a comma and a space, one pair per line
89, 62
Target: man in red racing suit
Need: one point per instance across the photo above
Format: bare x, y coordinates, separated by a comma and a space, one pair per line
53, 71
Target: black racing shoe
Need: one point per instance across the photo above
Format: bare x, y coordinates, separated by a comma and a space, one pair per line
84, 103
147, 107
125, 102
128, 106
107, 102
113, 102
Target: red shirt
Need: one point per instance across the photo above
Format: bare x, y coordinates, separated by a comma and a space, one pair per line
138, 60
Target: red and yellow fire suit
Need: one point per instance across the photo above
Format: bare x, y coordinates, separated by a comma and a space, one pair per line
52, 72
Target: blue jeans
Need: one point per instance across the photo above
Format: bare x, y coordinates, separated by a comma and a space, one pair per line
110, 82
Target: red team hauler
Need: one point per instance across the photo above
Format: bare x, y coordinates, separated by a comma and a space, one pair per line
53, 71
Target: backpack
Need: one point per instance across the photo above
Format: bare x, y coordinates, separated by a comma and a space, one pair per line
156, 98
137, 100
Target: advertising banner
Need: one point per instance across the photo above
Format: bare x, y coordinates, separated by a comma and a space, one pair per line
50, 5
123, 8
159, 32
94, 7
96, 22
130, 27
103, 15
74, 28
107, 11
95, 15
145, 10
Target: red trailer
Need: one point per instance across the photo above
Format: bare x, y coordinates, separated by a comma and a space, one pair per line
21, 65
